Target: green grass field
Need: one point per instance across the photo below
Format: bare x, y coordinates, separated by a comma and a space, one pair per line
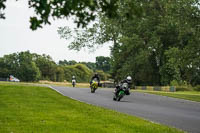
187, 95
33, 109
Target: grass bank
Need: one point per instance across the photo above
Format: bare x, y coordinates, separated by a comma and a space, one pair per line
34, 109
187, 95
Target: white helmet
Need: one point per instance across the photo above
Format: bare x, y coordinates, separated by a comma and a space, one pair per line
129, 79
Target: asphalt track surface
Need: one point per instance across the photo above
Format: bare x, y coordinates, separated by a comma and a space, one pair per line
182, 114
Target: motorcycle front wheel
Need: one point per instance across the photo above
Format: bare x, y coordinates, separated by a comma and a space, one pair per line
92, 90
121, 95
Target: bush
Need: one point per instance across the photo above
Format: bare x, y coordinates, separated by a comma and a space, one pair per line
174, 83
197, 88
103, 76
82, 73
181, 85
183, 88
178, 83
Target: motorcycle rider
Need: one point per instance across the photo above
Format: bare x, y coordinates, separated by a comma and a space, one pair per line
73, 79
96, 76
128, 80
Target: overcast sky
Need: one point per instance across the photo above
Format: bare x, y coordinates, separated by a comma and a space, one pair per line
15, 36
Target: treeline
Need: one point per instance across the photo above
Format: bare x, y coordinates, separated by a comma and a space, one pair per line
33, 67
102, 63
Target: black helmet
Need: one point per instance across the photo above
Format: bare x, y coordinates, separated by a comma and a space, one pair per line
96, 74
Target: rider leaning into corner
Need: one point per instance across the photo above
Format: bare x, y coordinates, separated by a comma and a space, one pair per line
128, 80
97, 77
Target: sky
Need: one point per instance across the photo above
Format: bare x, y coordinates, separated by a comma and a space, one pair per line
16, 36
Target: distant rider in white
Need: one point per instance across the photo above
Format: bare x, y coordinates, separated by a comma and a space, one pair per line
73, 80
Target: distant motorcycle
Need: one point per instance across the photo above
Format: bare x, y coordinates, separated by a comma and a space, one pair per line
121, 93
73, 82
94, 85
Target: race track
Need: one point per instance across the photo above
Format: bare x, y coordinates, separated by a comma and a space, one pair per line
173, 112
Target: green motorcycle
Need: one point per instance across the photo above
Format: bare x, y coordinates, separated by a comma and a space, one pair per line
121, 93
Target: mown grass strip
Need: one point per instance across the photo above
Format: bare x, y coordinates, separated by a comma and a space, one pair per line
68, 84
34, 109
187, 95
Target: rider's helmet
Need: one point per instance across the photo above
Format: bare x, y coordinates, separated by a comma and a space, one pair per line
96, 74
129, 79
73, 77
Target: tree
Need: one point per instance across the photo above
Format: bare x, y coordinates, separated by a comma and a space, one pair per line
144, 43
80, 71
102, 75
28, 71
103, 63
4, 71
90, 65
91, 37
47, 67
65, 62
83, 10
20, 65
59, 74
11, 63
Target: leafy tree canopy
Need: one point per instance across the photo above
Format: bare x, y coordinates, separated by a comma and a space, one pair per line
154, 41
83, 10
103, 63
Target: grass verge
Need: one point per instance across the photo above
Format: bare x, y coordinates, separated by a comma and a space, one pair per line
187, 95
34, 109
68, 84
